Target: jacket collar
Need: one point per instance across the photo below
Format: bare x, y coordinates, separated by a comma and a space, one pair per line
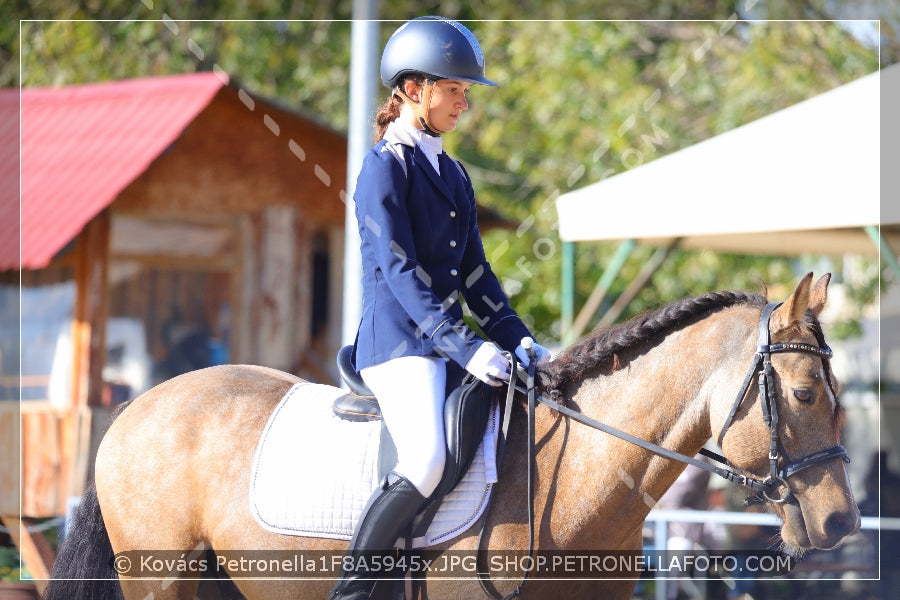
399, 133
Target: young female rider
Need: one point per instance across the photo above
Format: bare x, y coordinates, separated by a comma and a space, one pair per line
421, 252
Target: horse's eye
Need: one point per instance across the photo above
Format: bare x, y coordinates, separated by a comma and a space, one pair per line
803, 395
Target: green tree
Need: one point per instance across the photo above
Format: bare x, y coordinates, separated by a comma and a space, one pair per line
578, 100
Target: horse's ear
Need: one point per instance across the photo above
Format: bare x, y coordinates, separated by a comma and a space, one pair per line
794, 307
819, 294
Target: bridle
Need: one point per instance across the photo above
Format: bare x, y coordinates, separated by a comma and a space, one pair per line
764, 488
762, 365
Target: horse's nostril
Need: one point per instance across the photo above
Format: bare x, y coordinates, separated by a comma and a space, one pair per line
839, 525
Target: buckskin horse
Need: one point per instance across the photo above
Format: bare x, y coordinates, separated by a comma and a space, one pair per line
172, 471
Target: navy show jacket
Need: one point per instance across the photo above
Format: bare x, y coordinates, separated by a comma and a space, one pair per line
421, 251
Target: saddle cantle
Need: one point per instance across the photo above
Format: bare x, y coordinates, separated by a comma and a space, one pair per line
360, 404
466, 413
348, 373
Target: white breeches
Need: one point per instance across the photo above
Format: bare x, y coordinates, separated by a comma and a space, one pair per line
410, 392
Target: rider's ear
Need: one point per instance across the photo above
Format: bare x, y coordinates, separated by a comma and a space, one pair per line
412, 89
819, 295
792, 310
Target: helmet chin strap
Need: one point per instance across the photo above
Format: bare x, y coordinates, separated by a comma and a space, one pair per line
422, 108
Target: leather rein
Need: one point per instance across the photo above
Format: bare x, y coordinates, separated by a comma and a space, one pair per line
764, 488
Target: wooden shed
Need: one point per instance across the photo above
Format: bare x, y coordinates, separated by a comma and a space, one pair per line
167, 224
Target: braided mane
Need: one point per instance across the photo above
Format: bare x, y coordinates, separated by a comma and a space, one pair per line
601, 349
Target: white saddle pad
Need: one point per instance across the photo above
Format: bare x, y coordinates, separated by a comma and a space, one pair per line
314, 472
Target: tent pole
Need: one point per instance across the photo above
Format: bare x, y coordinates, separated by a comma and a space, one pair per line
639, 282
886, 253
567, 310
599, 292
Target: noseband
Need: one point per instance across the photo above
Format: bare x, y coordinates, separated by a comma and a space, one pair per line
762, 365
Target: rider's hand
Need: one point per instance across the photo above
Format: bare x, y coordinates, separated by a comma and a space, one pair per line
540, 354
489, 365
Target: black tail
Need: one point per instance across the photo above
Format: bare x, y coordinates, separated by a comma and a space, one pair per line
84, 562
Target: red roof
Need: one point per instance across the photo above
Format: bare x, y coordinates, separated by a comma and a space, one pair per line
82, 145
9, 179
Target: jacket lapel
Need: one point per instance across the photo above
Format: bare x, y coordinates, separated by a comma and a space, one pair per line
440, 182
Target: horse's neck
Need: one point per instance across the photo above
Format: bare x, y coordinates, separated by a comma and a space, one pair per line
662, 396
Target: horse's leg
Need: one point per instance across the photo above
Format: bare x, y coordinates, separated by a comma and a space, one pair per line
160, 540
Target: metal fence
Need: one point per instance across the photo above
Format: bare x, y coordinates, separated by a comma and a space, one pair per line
661, 519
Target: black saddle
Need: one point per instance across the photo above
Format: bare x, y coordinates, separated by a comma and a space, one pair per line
466, 413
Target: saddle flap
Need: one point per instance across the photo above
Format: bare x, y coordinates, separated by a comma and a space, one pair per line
466, 413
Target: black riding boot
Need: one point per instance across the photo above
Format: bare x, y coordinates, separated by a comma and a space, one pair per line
388, 512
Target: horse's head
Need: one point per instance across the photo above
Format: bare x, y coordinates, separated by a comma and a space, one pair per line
813, 498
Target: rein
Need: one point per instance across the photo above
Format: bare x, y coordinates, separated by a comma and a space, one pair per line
483, 573
764, 488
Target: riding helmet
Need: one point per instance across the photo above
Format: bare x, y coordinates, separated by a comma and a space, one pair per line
435, 46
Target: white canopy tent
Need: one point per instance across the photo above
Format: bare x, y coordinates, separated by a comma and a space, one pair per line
804, 179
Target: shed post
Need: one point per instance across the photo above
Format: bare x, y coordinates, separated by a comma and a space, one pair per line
363, 65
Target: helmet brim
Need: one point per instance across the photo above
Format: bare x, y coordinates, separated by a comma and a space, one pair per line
478, 80
438, 76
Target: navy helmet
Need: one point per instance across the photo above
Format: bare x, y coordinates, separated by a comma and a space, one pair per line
435, 46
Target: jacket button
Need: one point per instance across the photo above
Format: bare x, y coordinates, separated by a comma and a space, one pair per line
452, 214
454, 272
453, 243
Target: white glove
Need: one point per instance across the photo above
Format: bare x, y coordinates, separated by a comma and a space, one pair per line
540, 353
489, 365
